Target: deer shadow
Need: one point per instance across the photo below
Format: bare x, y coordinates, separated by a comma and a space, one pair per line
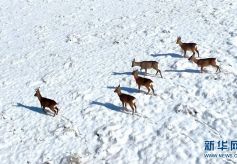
142, 73
185, 70
122, 73
173, 55
32, 108
127, 89
108, 106
130, 73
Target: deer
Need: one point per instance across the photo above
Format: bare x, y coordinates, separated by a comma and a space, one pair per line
187, 46
147, 65
205, 62
143, 82
45, 102
126, 99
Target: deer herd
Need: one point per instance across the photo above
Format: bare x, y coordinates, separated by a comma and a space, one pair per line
140, 81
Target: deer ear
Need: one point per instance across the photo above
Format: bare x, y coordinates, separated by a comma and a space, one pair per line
37, 88
119, 86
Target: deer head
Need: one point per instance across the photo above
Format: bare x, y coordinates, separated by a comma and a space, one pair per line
135, 73
178, 40
37, 92
117, 89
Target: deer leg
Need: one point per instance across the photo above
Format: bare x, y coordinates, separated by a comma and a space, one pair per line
53, 110
126, 106
197, 51
201, 69
184, 53
131, 105
135, 107
123, 105
151, 86
148, 88
44, 109
145, 72
56, 109
217, 68
193, 52
139, 88
159, 72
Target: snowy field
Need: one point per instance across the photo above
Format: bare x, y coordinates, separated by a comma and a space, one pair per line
78, 51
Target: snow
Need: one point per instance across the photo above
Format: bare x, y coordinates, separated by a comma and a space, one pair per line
77, 52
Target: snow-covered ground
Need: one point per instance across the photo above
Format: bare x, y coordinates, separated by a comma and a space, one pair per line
78, 51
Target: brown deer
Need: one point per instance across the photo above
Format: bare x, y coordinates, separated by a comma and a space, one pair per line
147, 65
187, 46
205, 62
126, 99
45, 102
143, 82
